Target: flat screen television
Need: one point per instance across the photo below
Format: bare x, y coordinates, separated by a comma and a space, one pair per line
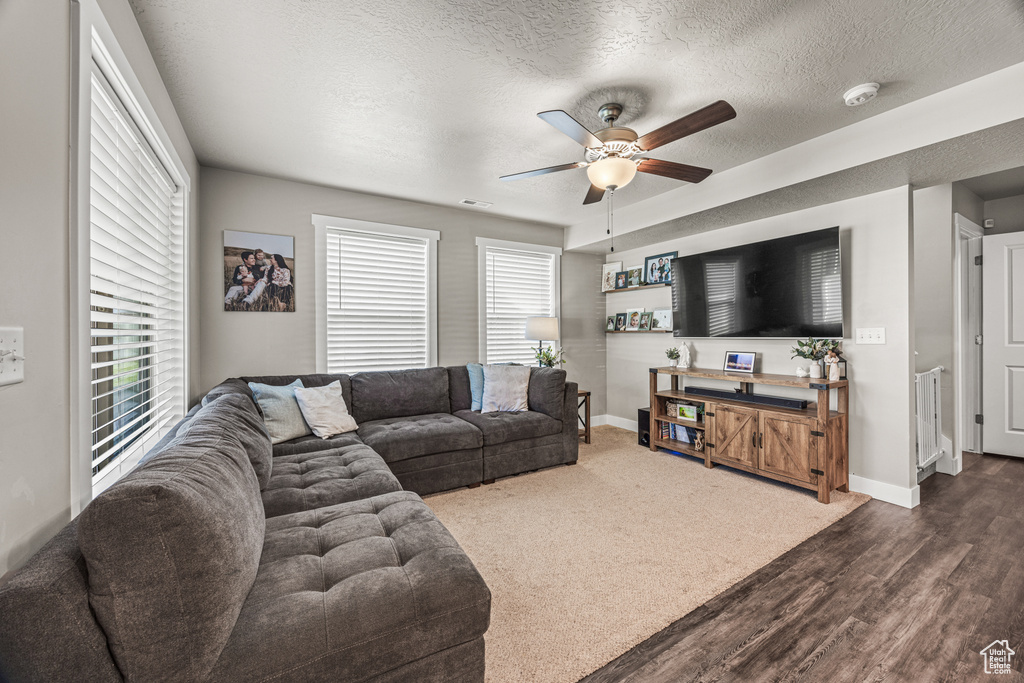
788, 287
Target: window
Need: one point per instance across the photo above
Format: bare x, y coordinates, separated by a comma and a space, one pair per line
136, 289
377, 306
516, 281
720, 280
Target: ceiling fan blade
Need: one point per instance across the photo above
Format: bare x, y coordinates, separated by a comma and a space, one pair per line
594, 195
543, 171
571, 127
670, 169
711, 115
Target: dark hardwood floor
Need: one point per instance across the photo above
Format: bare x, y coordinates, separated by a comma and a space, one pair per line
885, 594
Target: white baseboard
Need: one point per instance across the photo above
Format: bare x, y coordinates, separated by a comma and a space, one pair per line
897, 495
614, 421
948, 463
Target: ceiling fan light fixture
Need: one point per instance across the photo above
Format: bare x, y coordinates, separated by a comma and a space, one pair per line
611, 172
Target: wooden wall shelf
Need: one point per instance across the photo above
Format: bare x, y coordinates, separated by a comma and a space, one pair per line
633, 289
636, 331
807, 448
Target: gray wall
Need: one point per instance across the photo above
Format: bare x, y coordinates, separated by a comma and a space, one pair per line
968, 204
933, 282
35, 451
236, 343
1008, 213
876, 236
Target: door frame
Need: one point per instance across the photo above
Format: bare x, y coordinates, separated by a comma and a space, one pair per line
967, 378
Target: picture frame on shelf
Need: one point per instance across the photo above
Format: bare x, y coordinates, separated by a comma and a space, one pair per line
740, 361
620, 322
645, 321
633, 319
608, 273
658, 269
687, 411
610, 324
635, 276
621, 281
661, 319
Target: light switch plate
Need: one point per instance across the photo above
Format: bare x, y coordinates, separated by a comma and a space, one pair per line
870, 335
12, 347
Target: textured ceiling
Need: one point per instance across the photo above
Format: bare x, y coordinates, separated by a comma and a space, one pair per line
433, 102
1000, 185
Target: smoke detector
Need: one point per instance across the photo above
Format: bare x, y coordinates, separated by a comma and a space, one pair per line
863, 93
475, 203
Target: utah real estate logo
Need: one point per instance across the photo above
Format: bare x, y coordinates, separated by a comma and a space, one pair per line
998, 657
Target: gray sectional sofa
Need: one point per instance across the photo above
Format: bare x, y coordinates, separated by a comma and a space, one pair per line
222, 558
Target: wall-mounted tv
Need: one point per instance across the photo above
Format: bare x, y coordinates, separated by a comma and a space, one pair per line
788, 287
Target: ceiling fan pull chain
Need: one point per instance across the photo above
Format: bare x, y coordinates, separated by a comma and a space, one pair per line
611, 199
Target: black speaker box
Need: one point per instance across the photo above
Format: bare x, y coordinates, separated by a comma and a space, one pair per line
643, 427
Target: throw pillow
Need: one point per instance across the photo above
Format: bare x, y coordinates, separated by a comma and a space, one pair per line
476, 385
506, 388
324, 410
281, 413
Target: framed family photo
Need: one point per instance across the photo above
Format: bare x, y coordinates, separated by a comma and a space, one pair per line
635, 276
645, 321
662, 319
259, 272
610, 326
620, 280
610, 270
620, 322
658, 269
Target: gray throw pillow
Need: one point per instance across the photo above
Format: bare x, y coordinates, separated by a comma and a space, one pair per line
506, 388
324, 410
281, 413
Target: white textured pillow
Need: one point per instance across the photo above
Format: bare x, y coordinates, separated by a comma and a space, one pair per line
325, 411
505, 388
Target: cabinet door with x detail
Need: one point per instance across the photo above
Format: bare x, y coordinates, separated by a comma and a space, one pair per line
787, 447
736, 434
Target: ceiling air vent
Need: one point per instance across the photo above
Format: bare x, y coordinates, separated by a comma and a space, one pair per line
475, 204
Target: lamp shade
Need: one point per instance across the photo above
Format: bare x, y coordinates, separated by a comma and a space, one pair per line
541, 328
610, 171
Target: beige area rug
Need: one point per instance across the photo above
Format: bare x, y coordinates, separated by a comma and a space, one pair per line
585, 562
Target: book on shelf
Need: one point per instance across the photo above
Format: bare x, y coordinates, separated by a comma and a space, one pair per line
670, 430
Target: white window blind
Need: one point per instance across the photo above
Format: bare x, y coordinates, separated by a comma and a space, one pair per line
379, 304
720, 280
136, 290
517, 284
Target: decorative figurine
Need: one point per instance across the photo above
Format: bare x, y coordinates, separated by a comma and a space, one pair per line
832, 363
685, 359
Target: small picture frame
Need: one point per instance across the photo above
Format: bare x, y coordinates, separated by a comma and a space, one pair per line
635, 276
661, 320
740, 361
608, 273
633, 320
658, 269
687, 411
621, 281
610, 325
620, 322
645, 321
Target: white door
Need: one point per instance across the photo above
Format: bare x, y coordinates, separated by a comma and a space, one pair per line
1003, 361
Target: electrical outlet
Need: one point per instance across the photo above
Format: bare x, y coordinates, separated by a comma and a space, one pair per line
870, 335
12, 355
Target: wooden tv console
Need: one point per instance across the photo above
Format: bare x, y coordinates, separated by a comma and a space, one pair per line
808, 448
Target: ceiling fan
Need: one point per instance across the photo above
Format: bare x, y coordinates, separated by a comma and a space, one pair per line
613, 154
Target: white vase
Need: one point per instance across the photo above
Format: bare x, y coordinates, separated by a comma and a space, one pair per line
673, 362
815, 370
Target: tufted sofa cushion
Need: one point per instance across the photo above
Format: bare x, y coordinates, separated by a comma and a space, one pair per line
351, 591
401, 438
311, 443
501, 427
319, 479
